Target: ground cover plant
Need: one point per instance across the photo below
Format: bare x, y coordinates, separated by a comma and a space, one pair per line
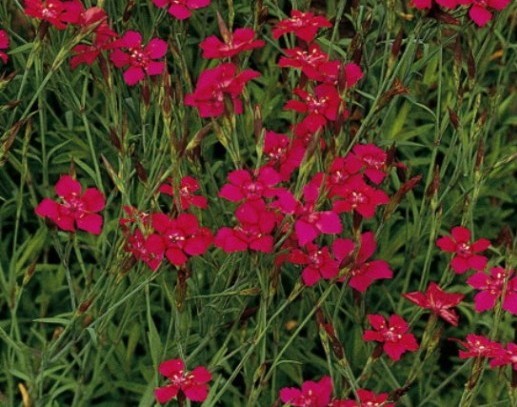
263, 203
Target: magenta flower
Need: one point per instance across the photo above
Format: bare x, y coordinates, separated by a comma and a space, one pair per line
4, 44
491, 289
362, 273
308, 60
367, 398
141, 60
216, 84
75, 209
464, 250
182, 237
148, 249
188, 198
422, 4
505, 356
304, 25
193, 384
311, 394
319, 263
438, 301
478, 346
320, 107
373, 161
181, 9
56, 12
393, 334
480, 10
245, 185
283, 155
243, 39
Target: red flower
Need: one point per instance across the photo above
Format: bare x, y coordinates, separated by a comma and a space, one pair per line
505, 356
477, 346
283, 155
192, 384
309, 61
479, 11
188, 185
320, 107
4, 44
244, 185
303, 25
103, 37
148, 249
253, 233
318, 261
393, 334
422, 4
312, 394
181, 9
491, 288
367, 398
362, 272
373, 160
141, 60
56, 12
77, 209
217, 83
182, 237
438, 301
465, 257
243, 39
357, 195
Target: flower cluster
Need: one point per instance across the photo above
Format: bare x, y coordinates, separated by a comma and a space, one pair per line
480, 11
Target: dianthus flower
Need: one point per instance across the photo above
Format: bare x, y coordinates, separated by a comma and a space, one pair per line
243, 39
193, 384
103, 37
4, 44
373, 160
308, 60
304, 25
187, 189
244, 185
393, 334
422, 4
181, 9
76, 209
505, 356
254, 232
182, 236
283, 155
480, 10
367, 398
56, 12
319, 263
464, 250
320, 107
362, 273
438, 301
141, 60
216, 84
478, 346
491, 288
311, 394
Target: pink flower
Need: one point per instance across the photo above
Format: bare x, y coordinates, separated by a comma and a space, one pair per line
480, 10
283, 155
182, 236
392, 334
367, 398
356, 195
320, 107
141, 60
308, 60
243, 39
254, 232
505, 356
188, 198
304, 25
465, 257
478, 346
362, 272
192, 384
148, 249
76, 209
422, 4
181, 9
56, 12
4, 44
438, 301
244, 185
216, 84
311, 394
491, 288
318, 261
373, 161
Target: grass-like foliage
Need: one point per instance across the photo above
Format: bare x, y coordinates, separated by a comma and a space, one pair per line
258, 203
